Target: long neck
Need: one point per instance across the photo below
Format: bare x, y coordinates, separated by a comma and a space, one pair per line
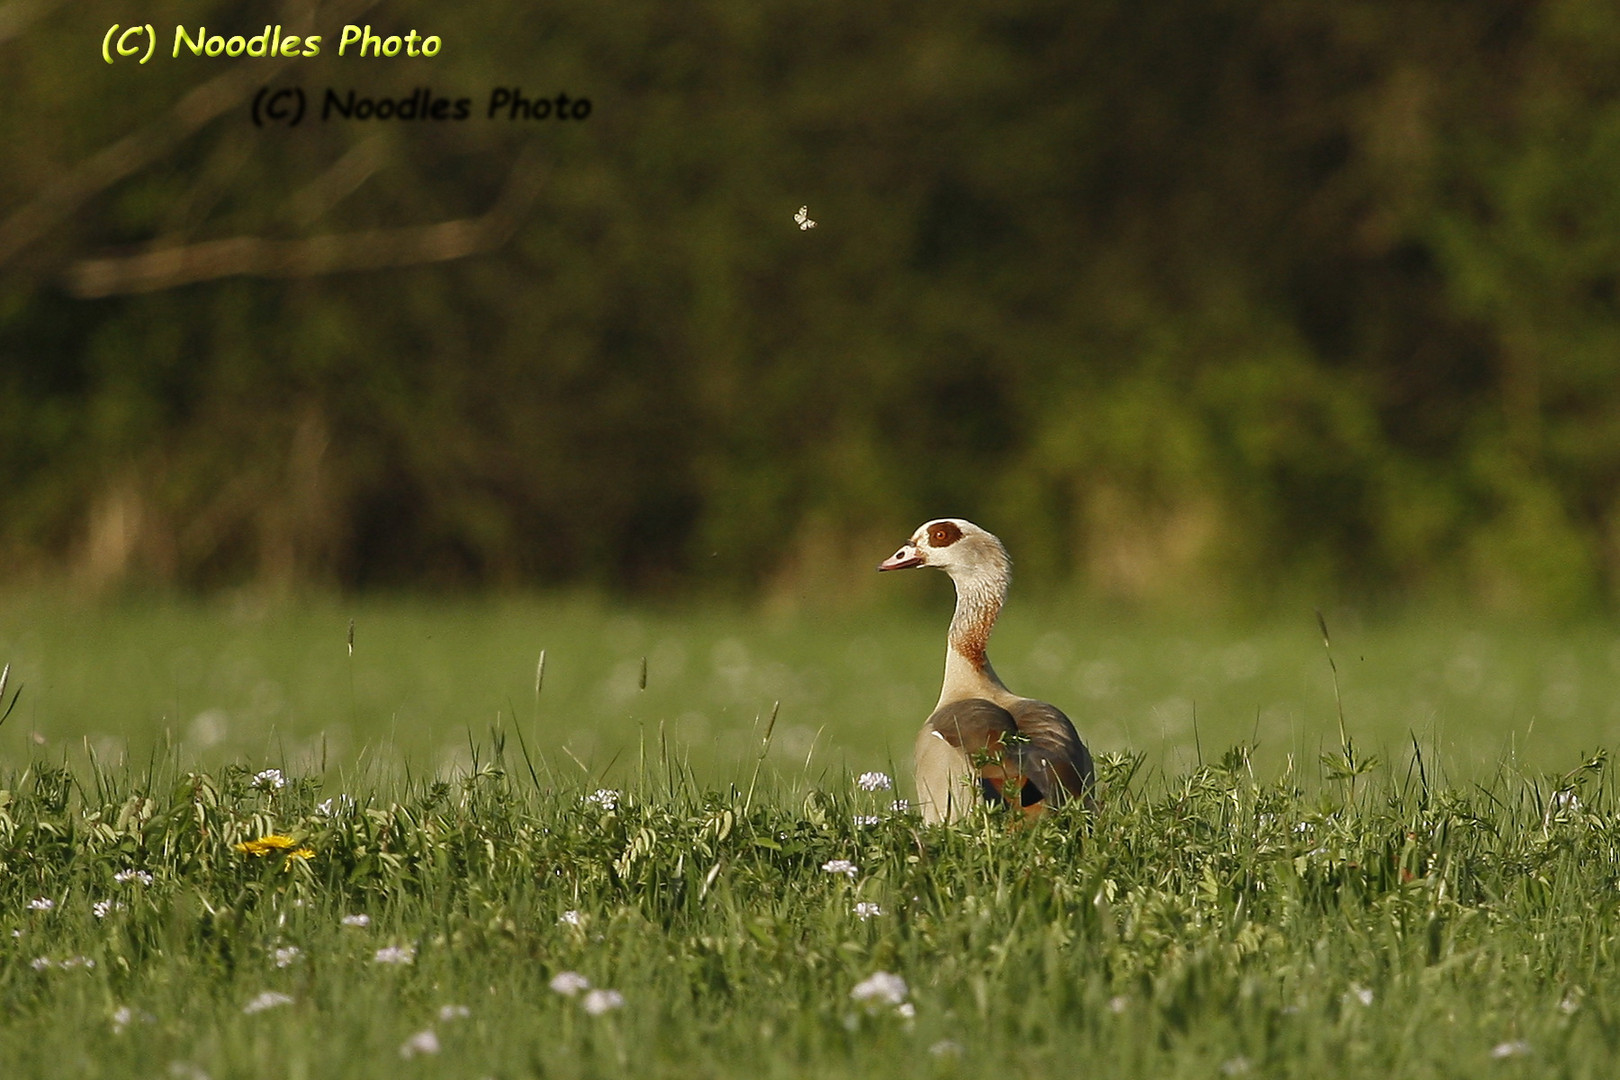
968, 672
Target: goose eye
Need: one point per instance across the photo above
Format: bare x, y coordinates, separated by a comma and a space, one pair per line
944, 534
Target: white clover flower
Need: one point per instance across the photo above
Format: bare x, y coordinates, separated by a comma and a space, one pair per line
270, 999
41, 903
841, 866
423, 1042
864, 821
598, 1002
874, 781
867, 910
606, 798
124, 877
569, 983
881, 988
395, 954
285, 957
1516, 1048
269, 780
571, 918
357, 920
454, 1012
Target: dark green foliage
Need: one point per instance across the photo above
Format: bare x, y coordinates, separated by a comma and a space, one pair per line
1213, 293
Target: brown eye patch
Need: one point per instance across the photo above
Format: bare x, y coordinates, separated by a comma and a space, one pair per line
944, 534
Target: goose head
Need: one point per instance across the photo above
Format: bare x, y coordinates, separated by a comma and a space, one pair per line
960, 548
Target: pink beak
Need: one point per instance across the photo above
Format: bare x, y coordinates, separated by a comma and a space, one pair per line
907, 557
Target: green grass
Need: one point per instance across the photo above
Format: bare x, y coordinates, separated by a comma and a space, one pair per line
1448, 909
1205, 923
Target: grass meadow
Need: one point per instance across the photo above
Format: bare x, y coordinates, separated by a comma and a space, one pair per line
230, 848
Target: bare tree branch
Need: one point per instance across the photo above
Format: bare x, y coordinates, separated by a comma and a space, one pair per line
329, 254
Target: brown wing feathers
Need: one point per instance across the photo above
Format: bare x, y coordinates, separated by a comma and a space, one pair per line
1024, 756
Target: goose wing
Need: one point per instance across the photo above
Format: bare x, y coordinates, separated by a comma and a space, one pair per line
1053, 752
1012, 765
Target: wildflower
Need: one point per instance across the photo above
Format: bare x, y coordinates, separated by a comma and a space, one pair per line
874, 781
571, 918
900, 806
395, 954
285, 957
946, 1048
1570, 1004
867, 910
906, 1010
269, 780
77, 962
882, 988
423, 1042
122, 1017
841, 866
41, 903
124, 877
1118, 1003
569, 983
264, 845
598, 1002
102, 908
40, 963
454, 1012
337, 804
606, 798
1362, 994
357, 920
863, 821
1516, 1048
1235, 1066
270, 999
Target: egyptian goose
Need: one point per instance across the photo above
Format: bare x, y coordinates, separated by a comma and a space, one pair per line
1020, 751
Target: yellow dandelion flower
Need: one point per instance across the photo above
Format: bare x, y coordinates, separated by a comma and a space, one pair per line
264, 845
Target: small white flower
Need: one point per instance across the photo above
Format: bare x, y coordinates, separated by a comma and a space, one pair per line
269, 780
571, 918
802, 219
1235, 1066
395, 954
1569, 1005
337, 804
841, 866
882, 987
598, 1002
1118, 1003
121, 1017
270, 999
454, 1012
1361, 994
1564, 800
900, 806
946, 1048
77, 962
867, 910
906, 1010
41, 903
569, 983
423, 1042
40, 963
124, 877
357, 920
864, 821
102, 908
874, 781
1516, 1048
285, 957
606, 798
